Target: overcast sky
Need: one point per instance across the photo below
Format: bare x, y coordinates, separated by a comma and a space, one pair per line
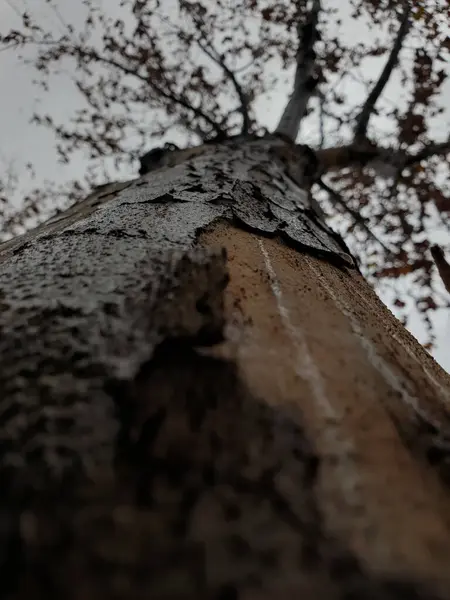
21, 142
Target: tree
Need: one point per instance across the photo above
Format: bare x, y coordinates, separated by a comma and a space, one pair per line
202, 398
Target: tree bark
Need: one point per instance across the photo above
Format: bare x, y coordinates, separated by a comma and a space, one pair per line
203, 398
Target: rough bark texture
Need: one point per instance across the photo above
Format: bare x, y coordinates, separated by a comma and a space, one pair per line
202, 398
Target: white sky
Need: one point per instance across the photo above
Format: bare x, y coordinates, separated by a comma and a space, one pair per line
21, 142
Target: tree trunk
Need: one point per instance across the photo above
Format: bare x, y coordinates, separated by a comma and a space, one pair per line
203, 399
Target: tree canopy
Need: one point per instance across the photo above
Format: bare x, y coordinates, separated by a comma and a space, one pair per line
367, 81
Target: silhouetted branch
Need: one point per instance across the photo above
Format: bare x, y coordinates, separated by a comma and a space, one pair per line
336, 198
162, 91
93, 55
442, 148
305, 82
220, 60
321, 122
349, 155
363, 119
442, 265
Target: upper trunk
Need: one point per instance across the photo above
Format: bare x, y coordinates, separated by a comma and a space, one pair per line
223, 424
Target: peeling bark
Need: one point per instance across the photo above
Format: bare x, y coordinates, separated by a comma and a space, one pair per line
202, 398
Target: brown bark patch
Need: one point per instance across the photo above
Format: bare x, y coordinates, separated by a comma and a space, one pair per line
316, 339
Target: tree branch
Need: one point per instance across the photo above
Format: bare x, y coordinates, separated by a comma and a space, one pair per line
219, 60
336, 198
442, 265
321, 122
349, 155
164, 93
305, 82
212, 53
362, 121
442, 148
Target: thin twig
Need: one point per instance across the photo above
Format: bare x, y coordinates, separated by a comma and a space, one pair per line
359, 220
11, 5
60, 18
220, 60
212, 53
161, 91
321, 121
